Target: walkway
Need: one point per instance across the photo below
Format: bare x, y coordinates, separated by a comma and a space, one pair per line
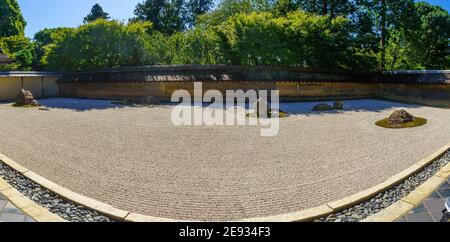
10, 213
431, 209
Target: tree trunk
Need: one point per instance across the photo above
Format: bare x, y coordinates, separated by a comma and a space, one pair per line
332, 6
324, 7
383, 35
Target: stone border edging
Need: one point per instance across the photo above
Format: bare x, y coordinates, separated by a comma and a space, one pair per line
300, 216
36, 212
102, 208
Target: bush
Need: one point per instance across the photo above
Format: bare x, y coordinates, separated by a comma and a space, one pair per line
102, 44
298, 39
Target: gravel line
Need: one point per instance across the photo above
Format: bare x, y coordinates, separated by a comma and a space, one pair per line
54, 203
388, 197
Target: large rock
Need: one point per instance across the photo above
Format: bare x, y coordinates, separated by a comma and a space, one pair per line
25, 97
338, 105
400, 117
322, 107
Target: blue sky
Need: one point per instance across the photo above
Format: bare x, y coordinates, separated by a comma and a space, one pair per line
41, 14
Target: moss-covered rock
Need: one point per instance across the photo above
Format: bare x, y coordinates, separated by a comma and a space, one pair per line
401, 119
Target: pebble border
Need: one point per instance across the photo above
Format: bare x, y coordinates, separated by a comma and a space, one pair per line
391, 196
52, 202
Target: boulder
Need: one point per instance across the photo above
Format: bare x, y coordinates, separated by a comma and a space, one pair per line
338, 105
25, 97
322, 107
400, 117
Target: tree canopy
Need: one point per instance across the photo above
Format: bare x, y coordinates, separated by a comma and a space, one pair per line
370, 35
11, 19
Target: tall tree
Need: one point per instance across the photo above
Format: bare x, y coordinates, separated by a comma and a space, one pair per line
11, 19
432, 36
96, 13
196, 8
380, 18
167, 16
423, 42
383, 30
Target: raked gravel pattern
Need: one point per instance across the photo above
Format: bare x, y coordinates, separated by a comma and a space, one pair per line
135, 159
54, 203
388, 197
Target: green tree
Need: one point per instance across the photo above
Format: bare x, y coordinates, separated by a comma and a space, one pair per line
167, 16
196, 46
299, 40
11, 19
432, 42
96, 13
332, 8
21, 49
102, 44
44, 42
196, 8
229, 8
423, 42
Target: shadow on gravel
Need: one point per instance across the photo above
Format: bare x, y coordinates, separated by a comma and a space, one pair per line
294, 108
361, 105
78, 104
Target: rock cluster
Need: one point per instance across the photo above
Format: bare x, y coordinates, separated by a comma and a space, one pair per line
337, 105
25, 97
400, 117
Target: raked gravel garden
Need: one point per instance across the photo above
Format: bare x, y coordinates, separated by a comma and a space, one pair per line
135, 159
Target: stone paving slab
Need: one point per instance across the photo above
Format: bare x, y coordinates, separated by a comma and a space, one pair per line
430, 210
136, 160
10, 213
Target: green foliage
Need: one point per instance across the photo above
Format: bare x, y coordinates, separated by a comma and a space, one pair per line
432, 37
230, 8
299, 39
167, 16
102, 44
197, 46
195, 8
423, 42
45, 41
254, 39
11, 19
96, 13
21, 49
328, 34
